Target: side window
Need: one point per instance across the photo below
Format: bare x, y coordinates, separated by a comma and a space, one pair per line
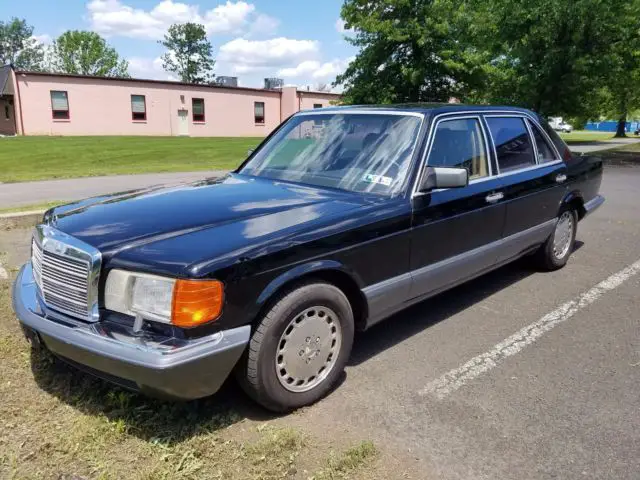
513, 143
565, 153
545, 152
459, 143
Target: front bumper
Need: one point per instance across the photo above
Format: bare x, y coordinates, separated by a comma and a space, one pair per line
160, 366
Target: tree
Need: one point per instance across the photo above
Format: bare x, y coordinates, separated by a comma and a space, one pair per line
18, 47
410, 51
189, 53
548, 55
86, 53
620, 94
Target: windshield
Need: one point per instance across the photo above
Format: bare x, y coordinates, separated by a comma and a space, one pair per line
365, 152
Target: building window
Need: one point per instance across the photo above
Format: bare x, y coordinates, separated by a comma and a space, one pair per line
138, 107
258, 112
317, 105
6, 112
59, 105
197, 105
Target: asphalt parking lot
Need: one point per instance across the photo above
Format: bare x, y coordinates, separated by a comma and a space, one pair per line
518, 374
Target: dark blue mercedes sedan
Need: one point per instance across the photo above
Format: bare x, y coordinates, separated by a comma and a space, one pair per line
340, 218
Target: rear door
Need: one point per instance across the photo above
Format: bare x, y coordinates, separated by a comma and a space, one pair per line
533, 181
456, 231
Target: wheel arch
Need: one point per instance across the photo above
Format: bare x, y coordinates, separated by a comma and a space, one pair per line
575, 199
328, 271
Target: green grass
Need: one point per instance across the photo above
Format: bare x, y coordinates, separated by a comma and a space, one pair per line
40, 158
32, 207
585, 136
341, 466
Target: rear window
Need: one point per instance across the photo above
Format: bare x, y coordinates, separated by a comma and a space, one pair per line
512, 142
545, 151
565, 153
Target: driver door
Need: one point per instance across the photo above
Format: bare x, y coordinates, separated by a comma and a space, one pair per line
456, 231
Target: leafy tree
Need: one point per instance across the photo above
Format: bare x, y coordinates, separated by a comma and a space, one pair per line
547, 55
620, 94
86, 53
410, 51
18, 47
189, 53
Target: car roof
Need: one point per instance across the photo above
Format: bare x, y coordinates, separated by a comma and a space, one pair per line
425, 108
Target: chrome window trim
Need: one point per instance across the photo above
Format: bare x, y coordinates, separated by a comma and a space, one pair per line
360, 111
484, 114
546, 137
48, 238
536, 158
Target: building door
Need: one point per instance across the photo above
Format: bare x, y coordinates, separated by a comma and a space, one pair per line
183, 122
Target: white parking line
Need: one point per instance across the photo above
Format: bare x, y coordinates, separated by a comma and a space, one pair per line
456, 378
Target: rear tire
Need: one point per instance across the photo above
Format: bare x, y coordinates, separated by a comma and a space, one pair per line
555, 252
299, 349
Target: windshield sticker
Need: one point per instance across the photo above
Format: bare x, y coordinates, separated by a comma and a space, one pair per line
386, 181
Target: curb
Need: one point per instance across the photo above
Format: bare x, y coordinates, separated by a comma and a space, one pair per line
20, 219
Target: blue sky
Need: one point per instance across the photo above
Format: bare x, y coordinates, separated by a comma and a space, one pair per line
300, 41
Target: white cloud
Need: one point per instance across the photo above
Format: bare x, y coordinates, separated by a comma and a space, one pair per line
311, 69
113, 17
148, 68
247, 56
305, 68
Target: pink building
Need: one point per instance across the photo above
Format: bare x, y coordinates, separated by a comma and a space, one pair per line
34, 103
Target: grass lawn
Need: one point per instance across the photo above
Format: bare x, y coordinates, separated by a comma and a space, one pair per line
585, 136
39, 158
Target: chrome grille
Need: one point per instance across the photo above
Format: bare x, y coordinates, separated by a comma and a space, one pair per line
66, 271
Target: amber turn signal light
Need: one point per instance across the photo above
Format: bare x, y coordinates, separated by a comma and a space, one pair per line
196, 302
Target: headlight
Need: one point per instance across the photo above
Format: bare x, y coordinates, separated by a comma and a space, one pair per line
184, 303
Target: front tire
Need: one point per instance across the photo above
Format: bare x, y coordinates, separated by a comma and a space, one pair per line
555, 252
300, 347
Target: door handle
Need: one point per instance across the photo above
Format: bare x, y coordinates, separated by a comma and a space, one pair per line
561, 177
494, 197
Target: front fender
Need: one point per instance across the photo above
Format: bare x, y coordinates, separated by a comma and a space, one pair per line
304, 270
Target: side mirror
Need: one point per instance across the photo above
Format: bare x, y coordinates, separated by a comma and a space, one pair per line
443, 177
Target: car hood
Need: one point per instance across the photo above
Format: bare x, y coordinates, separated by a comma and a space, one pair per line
240, 208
